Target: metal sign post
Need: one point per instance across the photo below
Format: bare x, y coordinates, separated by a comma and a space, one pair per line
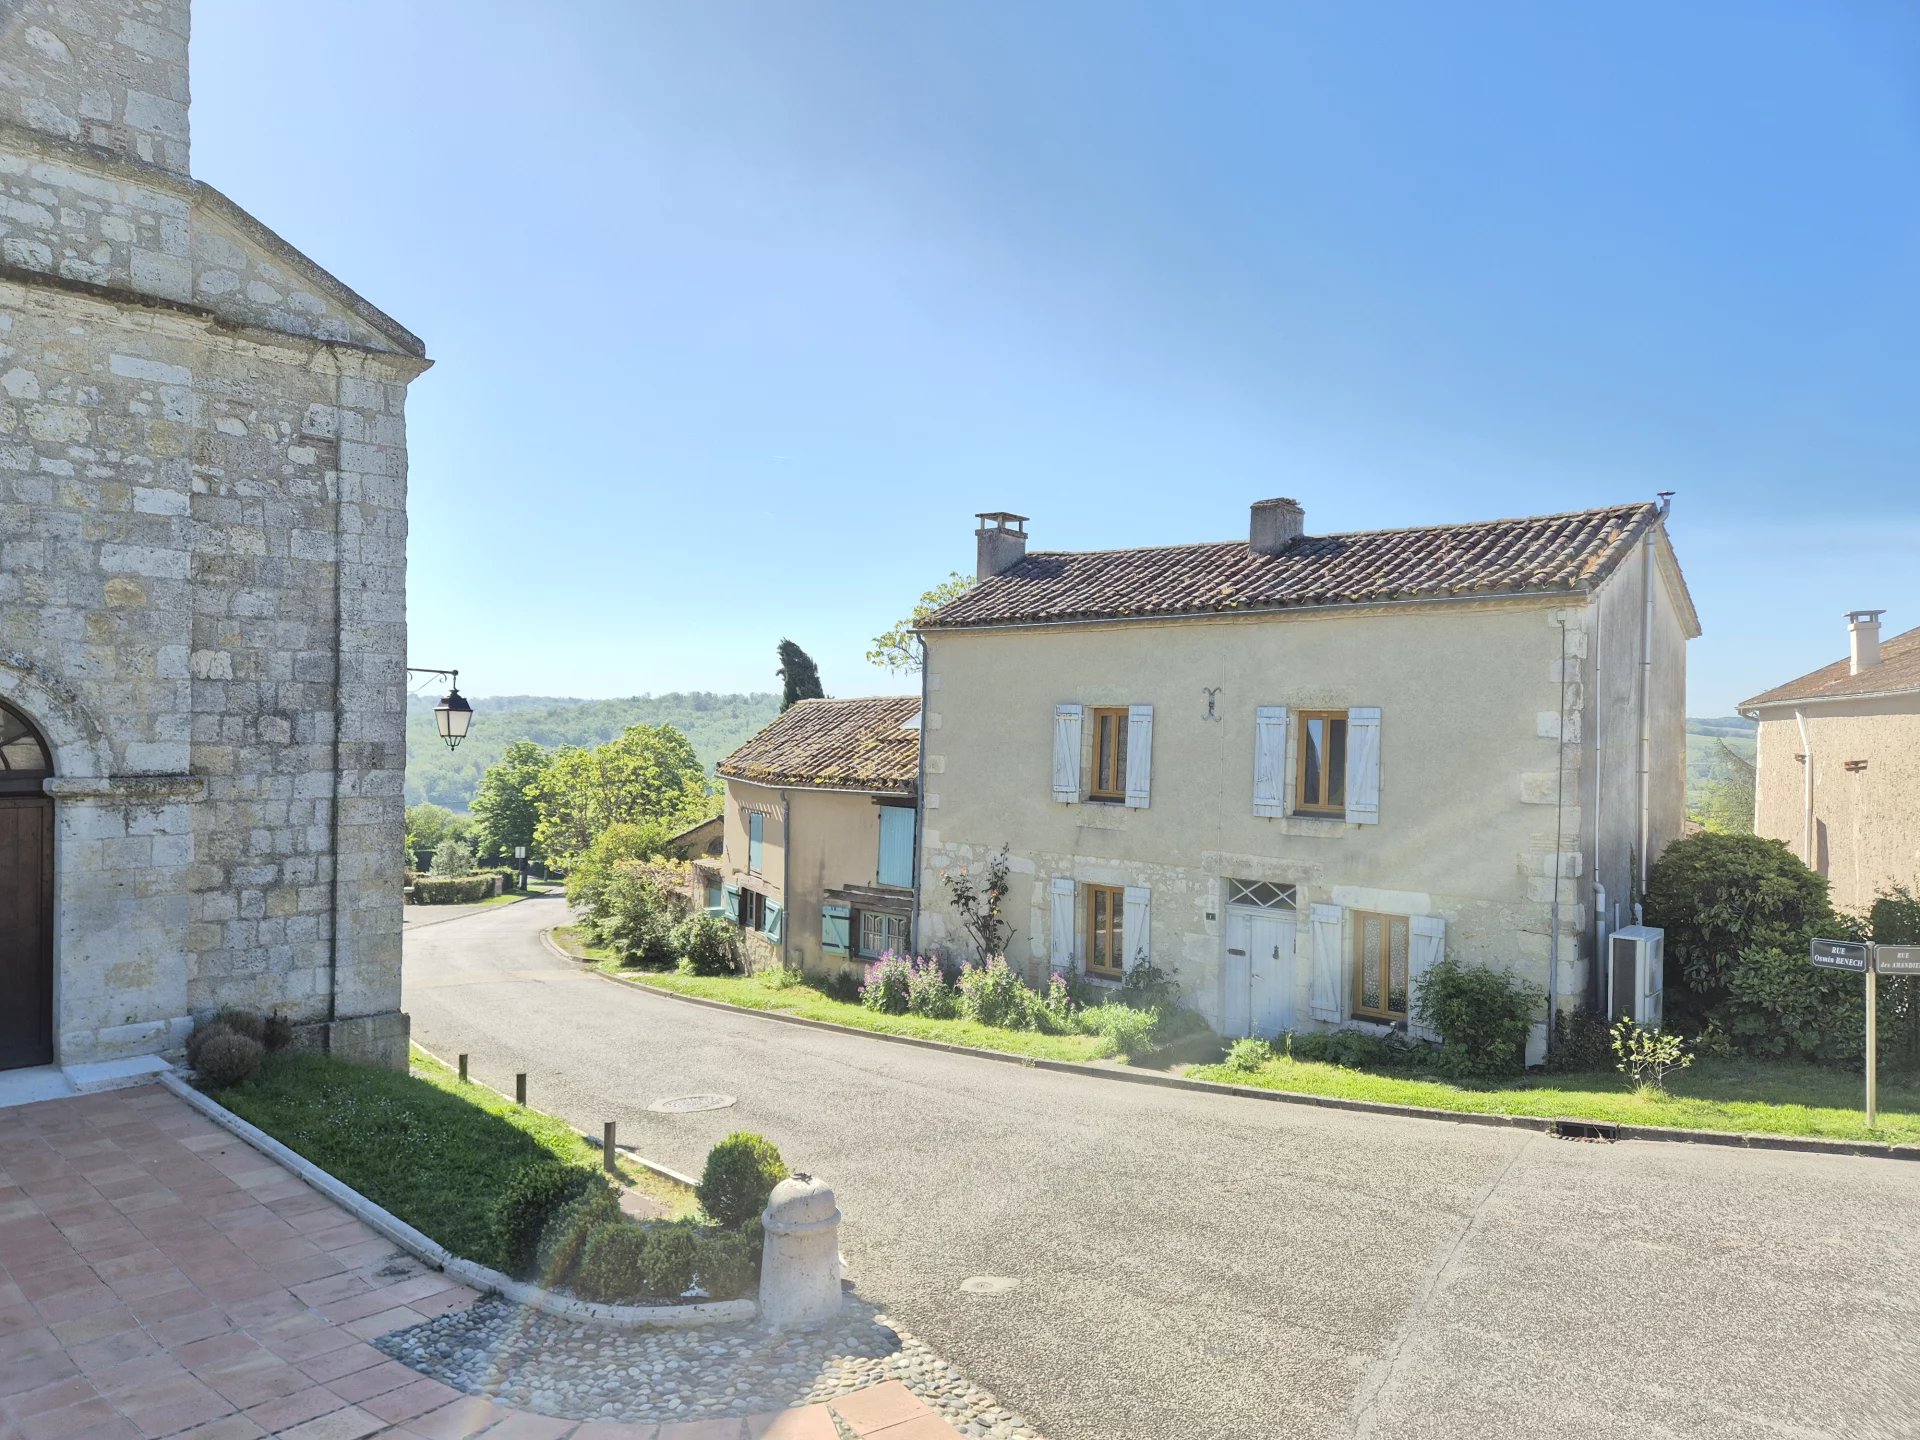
1856, 957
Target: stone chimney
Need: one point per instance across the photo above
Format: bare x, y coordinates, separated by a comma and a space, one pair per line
1276, 524
1863, 630
1002, 542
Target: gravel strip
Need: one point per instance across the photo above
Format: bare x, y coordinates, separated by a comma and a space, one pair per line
534, 1361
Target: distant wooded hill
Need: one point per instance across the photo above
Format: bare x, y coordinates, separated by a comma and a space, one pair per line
715, 724
1705, 762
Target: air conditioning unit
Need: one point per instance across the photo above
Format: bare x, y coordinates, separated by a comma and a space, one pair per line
1636, 974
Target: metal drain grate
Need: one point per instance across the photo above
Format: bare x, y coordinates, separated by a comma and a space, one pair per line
1603, 1131
683, 1104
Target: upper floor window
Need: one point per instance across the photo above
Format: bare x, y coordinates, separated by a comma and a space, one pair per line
1321, 786
756, 840
1109, 754
896, 846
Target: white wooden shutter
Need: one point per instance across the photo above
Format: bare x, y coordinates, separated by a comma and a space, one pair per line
1329, 994
1066, 753
1139, 755
1426, 943
1270, 760
1136, 924
1363, 766
1062, 938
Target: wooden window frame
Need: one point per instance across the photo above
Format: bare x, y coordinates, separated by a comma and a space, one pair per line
1114, 751
1116, 929
1357, 919
1328, 773
858, 938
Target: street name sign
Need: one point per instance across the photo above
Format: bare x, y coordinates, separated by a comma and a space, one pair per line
1853, 955
1897, 959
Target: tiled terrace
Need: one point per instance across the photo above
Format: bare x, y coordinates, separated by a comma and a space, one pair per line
159, 1277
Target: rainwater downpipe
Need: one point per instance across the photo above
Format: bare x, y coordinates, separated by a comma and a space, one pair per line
916, 939
1806, 819
1597, 979
786, 875
1559, 837
1646, 713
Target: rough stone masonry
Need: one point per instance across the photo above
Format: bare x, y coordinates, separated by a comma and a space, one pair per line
202, 562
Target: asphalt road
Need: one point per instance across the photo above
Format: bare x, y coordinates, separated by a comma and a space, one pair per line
1197, 1268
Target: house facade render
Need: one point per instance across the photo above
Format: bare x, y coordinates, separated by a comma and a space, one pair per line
203, 595
1295, 771
818, 861
1837, 764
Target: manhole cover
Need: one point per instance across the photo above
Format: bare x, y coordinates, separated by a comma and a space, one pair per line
987, 1284
681, 1104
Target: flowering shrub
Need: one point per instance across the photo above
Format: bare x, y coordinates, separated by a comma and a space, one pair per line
928, 992
1060, 1004
889, 985
992, 994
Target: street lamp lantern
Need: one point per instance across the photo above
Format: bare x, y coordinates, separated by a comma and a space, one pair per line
453, 714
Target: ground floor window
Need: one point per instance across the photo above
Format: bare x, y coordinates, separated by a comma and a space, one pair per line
1106, 949
881, 932
1380, 945
753, 910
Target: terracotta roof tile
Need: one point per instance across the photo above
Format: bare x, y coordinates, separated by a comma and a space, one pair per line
1484, 558
847, 744
1899, 669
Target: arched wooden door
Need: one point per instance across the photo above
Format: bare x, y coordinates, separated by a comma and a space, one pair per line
26, 895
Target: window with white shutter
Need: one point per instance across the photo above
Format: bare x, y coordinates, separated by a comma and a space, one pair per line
1329, 994
1062, 923
1136, 925
1270, 760
1139, 755
1363, 766
1066, 753
1429, 945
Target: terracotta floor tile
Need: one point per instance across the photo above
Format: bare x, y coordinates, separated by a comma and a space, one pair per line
30, 1372
52, 1396
868, 1410
610, 1430
97, 1326
398, 1318
809, 1422
521, 1425
352, 1423
701, 1430
230, 1427
301, 1406
374, 1380
66, 1422
415, 1398
354, 1356
466, 1416
255, 1384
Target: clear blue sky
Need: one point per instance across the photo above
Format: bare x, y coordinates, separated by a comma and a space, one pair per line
740, 311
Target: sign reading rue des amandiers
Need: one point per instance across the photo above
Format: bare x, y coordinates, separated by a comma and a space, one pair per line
1872, 961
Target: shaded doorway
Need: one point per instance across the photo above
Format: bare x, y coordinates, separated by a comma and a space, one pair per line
26, 895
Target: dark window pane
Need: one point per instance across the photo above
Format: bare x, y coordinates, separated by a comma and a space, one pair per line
1336, 762
1310, 779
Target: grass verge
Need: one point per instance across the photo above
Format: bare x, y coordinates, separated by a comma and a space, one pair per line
422, 1145
1738, 1097
796, 997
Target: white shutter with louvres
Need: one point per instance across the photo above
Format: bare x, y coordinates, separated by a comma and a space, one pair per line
1426, 943
1062, 923
1066, 753
1139, 755
1328, 998
1136, 927
1363, 766
1270, 760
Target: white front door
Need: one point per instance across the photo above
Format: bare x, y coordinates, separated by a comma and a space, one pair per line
1258, 997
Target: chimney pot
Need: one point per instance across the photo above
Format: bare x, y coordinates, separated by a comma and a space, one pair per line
1275, 524
1002, 538
1863, 635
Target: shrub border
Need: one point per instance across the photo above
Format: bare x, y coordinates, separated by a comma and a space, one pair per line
436, 1256
1736, 1139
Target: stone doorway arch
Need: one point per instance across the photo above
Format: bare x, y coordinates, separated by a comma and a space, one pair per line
26, 893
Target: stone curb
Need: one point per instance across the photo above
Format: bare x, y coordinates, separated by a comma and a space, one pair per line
436, 1256
1813, 1145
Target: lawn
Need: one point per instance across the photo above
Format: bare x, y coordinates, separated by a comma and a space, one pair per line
1744, 1097
422, 1145
795, 997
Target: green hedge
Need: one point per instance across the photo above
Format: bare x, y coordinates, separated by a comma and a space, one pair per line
452, 889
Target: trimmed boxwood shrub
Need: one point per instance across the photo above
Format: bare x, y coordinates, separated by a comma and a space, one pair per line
529, 1202
564, 1240
452, 889
228, 1058
610, 1270
724, 1263
1482, 1017
666, 1265
740, 1174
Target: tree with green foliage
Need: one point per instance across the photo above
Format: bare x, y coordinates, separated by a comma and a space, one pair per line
1726, 804
648, 775
427, 827
894, 650
799, 676
504, 812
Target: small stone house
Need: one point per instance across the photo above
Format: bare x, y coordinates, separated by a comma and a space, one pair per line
818, 864
1296, 770
1837, 764
203, 484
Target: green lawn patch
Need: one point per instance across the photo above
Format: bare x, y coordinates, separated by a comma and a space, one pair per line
1740, 1097
431, 1150
796, 997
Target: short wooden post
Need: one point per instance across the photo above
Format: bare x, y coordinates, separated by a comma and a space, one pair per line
463, 1069
606, 1145
520, 1088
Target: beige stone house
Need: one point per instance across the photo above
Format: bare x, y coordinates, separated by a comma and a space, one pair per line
1295, 770
202, 579
818, 863
1837, 764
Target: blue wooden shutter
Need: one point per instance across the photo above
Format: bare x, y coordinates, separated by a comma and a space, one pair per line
771, 923
730, 902
756, 840
896, 846
836, 929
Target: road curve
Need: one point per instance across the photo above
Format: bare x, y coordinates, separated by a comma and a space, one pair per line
1192, 1267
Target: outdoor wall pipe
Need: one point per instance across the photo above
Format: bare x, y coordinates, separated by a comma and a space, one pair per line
786, 876
1559, 837
1806, 819
914, 937
1646, 702
1596, 982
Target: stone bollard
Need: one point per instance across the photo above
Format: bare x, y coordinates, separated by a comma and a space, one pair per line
800, 1268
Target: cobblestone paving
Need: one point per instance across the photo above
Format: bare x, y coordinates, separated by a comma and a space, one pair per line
540, 1362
